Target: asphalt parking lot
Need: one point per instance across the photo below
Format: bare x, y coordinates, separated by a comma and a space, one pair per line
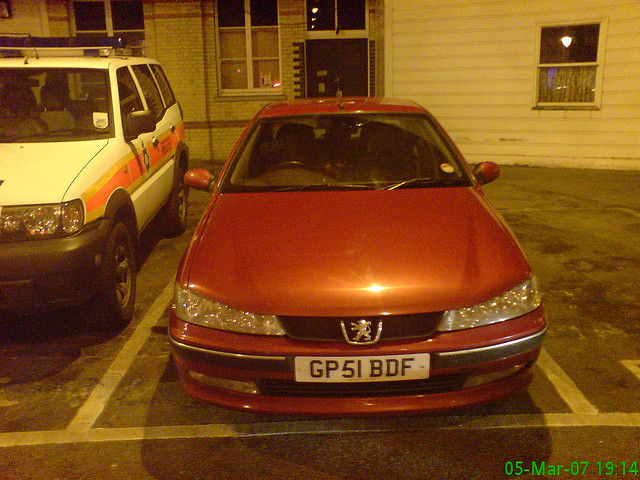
76, 404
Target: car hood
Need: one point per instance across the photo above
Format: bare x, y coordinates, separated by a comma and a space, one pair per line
352, 253
42, 172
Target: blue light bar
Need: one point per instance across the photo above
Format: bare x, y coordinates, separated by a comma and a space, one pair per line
27, 41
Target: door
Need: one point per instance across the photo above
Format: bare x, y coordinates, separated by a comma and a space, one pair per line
334, 65
158, 147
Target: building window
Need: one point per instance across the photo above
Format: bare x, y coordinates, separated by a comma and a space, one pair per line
569, 70
336, 15
119, 18
249, 49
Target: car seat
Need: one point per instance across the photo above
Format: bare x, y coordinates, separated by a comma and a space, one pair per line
18, 106
295, 145
53, 105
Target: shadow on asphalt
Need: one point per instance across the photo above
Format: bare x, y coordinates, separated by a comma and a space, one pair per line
37, 345
399, 448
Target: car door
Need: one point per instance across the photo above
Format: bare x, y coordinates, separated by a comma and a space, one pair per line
157, 149
138, 165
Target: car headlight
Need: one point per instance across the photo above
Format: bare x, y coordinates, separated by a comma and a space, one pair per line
518, 301
199, 310
40, 221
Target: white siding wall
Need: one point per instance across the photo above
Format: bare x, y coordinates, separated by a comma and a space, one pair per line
472, 64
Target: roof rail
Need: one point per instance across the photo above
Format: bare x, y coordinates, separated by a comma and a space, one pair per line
25, 40
23, 44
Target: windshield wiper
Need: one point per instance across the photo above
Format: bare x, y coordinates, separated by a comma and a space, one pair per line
293, 188
423, 182
349, 186
323, 187
414, 182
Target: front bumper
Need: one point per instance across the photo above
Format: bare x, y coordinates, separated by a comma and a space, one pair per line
49, 273
496, 362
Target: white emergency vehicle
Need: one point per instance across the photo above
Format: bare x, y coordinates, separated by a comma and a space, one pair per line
91, 149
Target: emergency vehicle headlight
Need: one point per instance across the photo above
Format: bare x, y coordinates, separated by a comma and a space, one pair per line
40, 221
72, 216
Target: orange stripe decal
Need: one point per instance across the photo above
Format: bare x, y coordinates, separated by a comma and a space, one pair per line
129, 172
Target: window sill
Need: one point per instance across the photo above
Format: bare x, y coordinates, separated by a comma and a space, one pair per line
250, 97
566, 107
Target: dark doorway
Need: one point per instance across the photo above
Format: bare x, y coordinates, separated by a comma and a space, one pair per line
334, 65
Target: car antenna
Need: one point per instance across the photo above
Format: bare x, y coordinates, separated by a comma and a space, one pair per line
28, 44
35, 55
20, 42
339, 97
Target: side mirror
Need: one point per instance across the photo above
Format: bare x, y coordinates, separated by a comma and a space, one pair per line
137, 123
486, 172
200, 179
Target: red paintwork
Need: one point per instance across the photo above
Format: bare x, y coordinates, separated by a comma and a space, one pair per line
198, 178
357, 406
493, 334
319, 253
473, 338
487, 171
345, 105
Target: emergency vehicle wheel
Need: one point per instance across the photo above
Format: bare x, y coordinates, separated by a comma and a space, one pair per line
177, 208
115, 301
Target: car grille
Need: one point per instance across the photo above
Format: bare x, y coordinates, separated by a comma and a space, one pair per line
290, 388
394, 327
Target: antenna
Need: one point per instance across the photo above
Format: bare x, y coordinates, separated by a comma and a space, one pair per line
13, 40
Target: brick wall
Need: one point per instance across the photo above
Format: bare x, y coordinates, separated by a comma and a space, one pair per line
58, 18
174, 33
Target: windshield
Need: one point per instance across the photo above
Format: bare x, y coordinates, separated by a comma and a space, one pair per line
344, 151
54, 105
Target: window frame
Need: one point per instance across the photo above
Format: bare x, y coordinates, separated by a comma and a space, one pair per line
163, 85
599, 64
138, 34
340, 34
135, 98
248, 28
150, 91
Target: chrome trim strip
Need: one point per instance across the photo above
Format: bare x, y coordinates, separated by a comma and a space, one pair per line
234, 360
461, 358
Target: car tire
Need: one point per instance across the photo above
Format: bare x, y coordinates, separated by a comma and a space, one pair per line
115, 301
176, 210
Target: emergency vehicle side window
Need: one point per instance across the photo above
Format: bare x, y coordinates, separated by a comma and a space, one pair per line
130, 100
149, 90
163, 83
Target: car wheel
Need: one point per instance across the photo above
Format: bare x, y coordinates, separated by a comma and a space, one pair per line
115, 301
177, 208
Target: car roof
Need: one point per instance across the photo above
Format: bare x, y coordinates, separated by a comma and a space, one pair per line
315, 106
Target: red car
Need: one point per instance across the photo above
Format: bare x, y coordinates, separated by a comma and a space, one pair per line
348, 263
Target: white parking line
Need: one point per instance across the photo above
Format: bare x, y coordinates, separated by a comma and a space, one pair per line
80, 429
629, 211
633, 366
310, 427
566, 388
94, 405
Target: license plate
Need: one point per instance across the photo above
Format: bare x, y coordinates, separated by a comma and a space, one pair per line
384, 368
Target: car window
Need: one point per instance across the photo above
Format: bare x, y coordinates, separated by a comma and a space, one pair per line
349, 150
163, 83
54, 104
130, 100
149, 90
